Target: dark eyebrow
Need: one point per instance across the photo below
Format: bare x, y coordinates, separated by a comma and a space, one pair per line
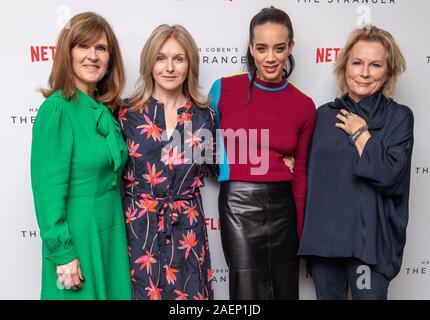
276, 45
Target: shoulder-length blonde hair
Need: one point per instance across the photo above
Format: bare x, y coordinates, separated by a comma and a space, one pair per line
81, 29
148, 58
396, 63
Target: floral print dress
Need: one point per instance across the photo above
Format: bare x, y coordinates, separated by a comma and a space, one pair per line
165, 222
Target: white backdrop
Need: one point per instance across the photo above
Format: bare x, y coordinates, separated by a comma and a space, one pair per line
220, 27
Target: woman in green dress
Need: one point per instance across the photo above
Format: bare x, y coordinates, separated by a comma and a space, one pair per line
77, 158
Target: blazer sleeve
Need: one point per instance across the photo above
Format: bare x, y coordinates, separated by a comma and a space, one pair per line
384, 163
51, 153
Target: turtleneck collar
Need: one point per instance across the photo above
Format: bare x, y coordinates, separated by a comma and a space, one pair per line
269, 86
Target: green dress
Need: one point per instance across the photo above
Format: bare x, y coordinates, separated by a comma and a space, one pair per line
77, 158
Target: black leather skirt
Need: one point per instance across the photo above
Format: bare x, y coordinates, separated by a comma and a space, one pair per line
259, 239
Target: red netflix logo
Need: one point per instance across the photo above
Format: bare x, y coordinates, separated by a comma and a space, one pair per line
325, 55
212, 224
42, 53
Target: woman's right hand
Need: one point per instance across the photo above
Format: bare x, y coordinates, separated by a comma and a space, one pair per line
70, 275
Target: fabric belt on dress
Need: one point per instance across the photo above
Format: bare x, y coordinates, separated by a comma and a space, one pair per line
167, 206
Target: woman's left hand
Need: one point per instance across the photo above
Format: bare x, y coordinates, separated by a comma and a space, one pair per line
289, 162
350, 121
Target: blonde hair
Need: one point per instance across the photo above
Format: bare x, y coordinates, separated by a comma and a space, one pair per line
86, 28
396, 62
148, 58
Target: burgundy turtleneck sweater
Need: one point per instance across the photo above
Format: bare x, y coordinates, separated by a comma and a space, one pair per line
278, 110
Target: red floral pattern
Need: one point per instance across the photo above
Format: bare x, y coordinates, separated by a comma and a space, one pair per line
167, 236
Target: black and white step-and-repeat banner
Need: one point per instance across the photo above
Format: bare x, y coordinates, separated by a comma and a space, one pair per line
29, 30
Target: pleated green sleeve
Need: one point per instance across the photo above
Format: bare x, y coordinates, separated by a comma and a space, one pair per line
51, 154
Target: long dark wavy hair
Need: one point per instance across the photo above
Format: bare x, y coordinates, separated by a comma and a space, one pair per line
272, 15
